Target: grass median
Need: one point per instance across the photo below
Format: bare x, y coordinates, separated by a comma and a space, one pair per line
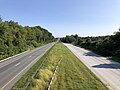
71, 73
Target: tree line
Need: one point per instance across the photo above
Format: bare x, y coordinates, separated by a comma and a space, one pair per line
15, 38
104, 45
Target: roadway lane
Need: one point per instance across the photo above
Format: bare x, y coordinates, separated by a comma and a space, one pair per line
13, 69
107, 71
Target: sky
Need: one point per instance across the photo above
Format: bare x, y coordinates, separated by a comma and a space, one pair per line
65, 17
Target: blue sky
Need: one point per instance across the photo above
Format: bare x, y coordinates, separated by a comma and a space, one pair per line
63, 17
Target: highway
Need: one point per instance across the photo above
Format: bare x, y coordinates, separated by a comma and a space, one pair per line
13, 69
107, 71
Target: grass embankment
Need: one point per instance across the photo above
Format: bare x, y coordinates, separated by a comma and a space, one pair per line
71, 74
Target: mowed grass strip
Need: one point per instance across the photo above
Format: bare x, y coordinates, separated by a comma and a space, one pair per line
72, 74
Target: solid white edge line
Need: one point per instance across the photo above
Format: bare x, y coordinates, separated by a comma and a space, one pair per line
12, 56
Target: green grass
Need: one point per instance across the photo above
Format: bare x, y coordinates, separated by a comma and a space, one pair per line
72, 74
43, 77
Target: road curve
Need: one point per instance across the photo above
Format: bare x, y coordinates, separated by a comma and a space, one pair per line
107, 71
13, 69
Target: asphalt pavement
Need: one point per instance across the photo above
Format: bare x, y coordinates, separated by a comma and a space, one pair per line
107, 71
14, 68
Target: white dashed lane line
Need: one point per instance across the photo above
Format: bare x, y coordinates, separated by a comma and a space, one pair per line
17, 64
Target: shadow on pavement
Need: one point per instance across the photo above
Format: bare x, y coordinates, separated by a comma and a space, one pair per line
112, 66
91, 54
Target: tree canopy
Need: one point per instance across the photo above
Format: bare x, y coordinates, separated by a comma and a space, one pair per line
15, 38
104, 45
